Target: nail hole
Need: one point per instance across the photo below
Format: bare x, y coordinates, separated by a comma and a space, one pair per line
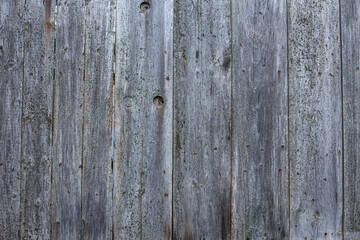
145, 7
158, 102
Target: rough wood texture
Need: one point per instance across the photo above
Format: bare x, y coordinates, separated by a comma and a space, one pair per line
260, 126
37, 120
315, 120
143, 127
350, 21
11, 76
233, 119
97, 135
68, 120
202, 118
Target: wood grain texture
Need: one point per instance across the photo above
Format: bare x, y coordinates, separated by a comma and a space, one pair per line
202, 119
97, 145
143, 128
315, 120
260, 123
11, 78
232, 119
37, 119
350, 21
68, 120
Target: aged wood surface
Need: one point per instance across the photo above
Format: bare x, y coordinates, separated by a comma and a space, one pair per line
315, 118
11, 80
36, 121
143, 122
260, 127
202, 120
350, 35
232, 119
68, 120
97, 146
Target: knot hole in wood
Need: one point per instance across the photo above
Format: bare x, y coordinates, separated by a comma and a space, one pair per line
158, 102
145, 7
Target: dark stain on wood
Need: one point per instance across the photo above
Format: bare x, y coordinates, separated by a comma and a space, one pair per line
279, 73
225, 217
226, 63
188, 233
47, 4
167, 231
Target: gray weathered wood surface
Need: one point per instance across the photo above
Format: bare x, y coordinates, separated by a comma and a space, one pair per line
143, 125
232, 119
315, 120
202, 119
68, 120
350, 35
36, 122
97, 123
11, 81
260, 124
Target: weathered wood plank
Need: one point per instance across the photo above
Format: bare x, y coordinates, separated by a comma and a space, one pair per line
202, 119
143, 124
315, 117
97, 146
68, 120
260, 194
11, 77
350, 21
37, 119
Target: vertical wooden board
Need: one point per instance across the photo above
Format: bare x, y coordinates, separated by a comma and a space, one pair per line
68, 120
143, 124
11, 76
37, 119
350, 21
315, 117
202, 119
97, 146
260, 194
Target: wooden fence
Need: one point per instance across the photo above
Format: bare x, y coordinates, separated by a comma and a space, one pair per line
180, 119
